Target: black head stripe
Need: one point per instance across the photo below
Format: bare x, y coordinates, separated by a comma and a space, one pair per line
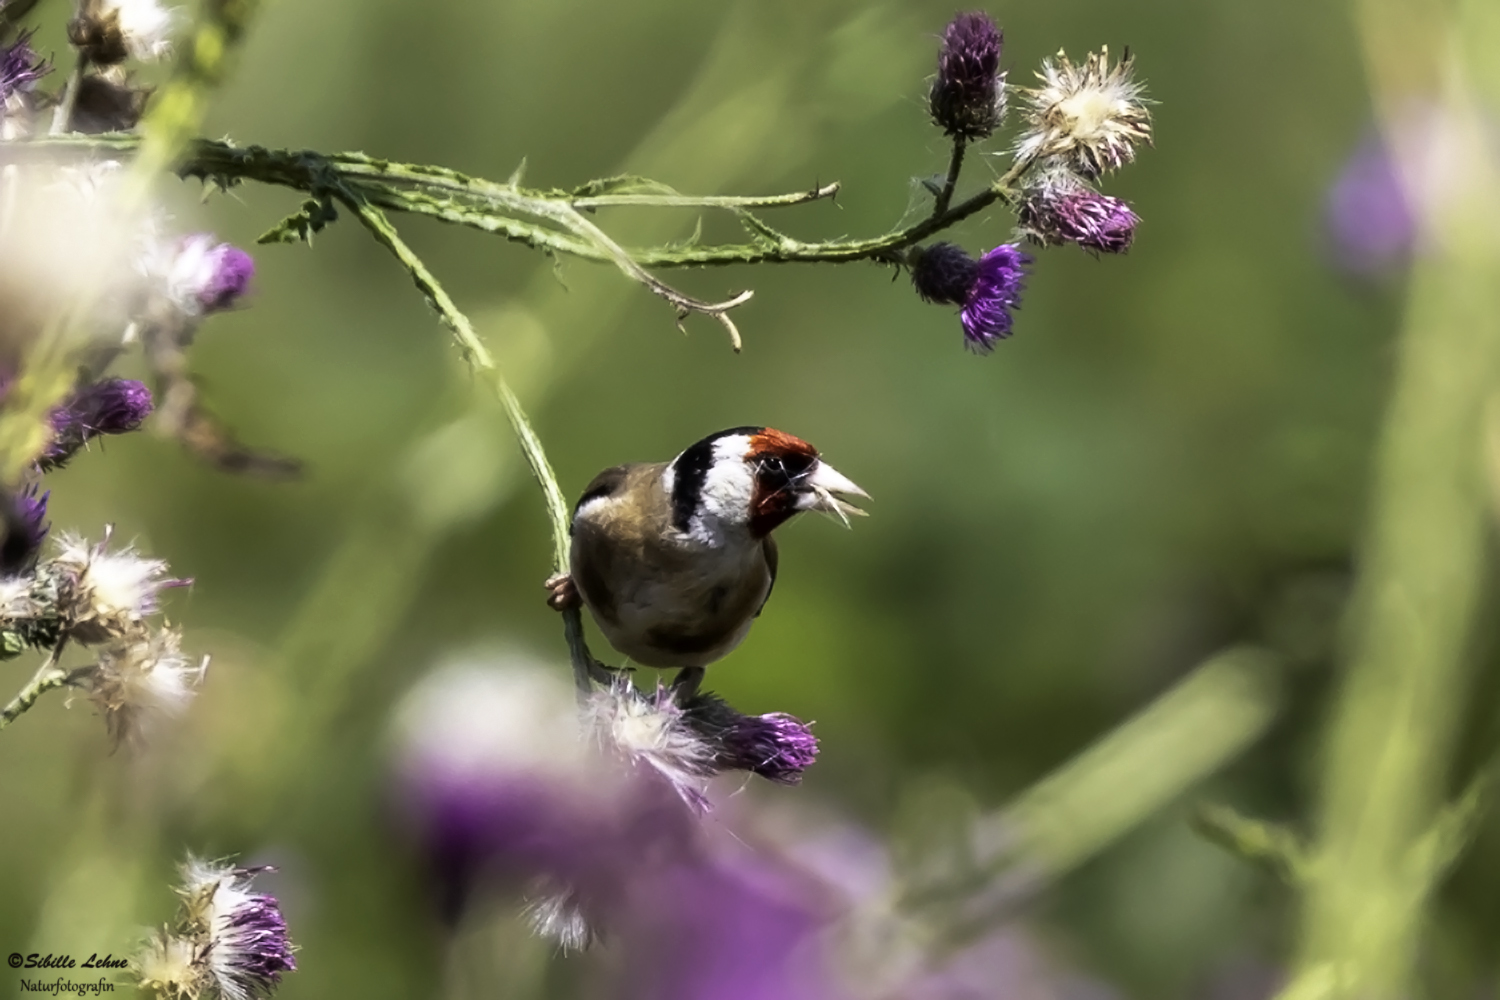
691, 469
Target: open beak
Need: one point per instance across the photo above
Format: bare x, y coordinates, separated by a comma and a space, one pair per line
825, 490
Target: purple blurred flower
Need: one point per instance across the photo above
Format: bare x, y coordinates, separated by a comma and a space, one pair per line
1370, 222
988, 290
498, 785
109, 406
20, 68
968, 95
722, 927
204, 276
1424, 163
25, 518
1061, 208
777, 746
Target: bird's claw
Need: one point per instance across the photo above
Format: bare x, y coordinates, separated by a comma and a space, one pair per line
562, 594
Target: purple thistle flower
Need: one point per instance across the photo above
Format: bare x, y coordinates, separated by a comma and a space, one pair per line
778, 747
986, 315
20, 68
967, 99
204, 276
1061, 208
988, 290
25, 518
247, 947
109, 406
1369, 219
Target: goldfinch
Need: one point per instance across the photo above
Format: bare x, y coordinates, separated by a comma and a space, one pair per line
675, 560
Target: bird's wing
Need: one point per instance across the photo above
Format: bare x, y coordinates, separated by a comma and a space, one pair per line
605, 484
772, 559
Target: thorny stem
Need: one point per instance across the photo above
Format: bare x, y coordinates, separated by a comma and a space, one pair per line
955, 164
481, 204
47, 677
479, 358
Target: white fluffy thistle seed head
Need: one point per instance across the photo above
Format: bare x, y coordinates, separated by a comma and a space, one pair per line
650, 731
171, 967
142, 679
1092, 116
112, 593
107, 31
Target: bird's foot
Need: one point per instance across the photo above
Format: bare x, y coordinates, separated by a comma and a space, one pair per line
562, 594
685, 685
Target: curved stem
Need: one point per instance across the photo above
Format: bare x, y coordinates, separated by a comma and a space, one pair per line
584, 666
47, 677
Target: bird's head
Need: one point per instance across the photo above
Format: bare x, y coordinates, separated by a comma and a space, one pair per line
756, 477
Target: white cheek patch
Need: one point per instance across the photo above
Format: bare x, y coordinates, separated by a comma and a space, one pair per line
729, 488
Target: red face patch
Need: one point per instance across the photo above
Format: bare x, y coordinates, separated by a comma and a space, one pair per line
772, 441
779, 462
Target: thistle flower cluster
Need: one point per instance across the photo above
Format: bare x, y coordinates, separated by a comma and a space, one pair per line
71, 237
228, 941
104, 599
1082, 122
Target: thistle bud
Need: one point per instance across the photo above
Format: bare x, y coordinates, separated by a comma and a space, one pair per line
203, 276
104, 105
778, 747
1059, 207
25, 520
967, 99
109, 406
106, 32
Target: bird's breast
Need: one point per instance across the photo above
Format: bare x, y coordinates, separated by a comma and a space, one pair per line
668, 603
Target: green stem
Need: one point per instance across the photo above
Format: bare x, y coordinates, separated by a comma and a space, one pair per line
1392, 735
47, 677
955, 164
478, 356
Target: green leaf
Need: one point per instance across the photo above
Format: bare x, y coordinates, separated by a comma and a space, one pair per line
300, 225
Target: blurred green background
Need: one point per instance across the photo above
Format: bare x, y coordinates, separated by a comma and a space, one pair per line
1167, 458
